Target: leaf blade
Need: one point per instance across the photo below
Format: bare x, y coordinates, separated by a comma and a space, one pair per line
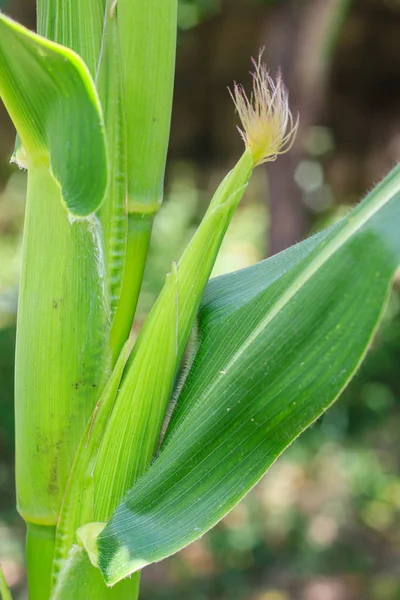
256, 391
50, 96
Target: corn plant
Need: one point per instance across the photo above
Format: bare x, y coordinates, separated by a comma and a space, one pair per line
126, 451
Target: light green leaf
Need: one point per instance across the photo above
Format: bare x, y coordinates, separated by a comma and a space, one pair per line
51, 98
277, 344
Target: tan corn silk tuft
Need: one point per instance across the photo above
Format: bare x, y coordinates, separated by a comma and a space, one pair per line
268, 125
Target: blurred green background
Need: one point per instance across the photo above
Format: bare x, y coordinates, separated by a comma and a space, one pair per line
324, 523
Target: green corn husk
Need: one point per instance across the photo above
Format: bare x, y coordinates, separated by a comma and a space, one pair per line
150, 373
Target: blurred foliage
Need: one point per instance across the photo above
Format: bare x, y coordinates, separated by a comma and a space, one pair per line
193, 12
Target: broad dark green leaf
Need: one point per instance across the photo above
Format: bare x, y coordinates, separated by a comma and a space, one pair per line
277, 343
50, 96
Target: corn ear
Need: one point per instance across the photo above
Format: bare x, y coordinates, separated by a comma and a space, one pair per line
132, 434
266, 368
141, 402
125, 432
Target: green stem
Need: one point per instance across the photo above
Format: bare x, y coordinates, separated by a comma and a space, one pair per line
62, 356
5, 593
40, 541
147, 46
139, 233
